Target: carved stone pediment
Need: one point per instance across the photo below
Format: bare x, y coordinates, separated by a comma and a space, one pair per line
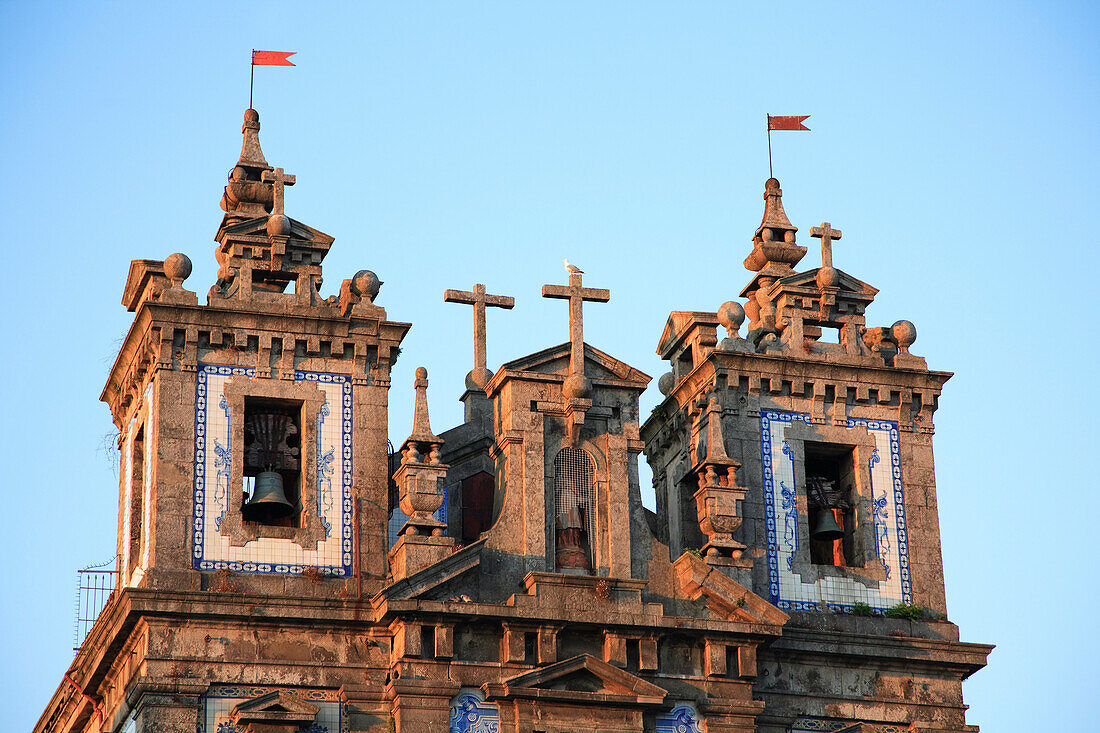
845, 282
274, 712
582, 679
682, 326
300, 234
597, 365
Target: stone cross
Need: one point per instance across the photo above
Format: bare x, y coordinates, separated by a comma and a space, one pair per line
826, 234
576, 295
479, 299
280, 179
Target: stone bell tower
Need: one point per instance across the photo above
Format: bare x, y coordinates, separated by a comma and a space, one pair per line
252, 427
823, 428
254, 482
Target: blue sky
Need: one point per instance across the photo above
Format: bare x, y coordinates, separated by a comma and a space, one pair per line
444, 144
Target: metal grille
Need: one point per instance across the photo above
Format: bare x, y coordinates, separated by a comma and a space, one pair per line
94, 587
573, 486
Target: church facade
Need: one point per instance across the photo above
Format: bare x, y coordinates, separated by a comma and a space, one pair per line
283, 569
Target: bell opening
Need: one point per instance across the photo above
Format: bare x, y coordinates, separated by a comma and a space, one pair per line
272, 438
831, 499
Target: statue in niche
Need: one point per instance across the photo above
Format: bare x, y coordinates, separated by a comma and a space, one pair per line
572, 552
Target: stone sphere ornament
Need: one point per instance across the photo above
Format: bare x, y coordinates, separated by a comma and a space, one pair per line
278, 225
366, 284
731, 315
905, 333
177, 267
478, 378
827, 277
666, 383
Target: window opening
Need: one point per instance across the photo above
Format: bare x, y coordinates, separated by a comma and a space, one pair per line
272, 467
574, 499
137, 497
477, 506
830, 480
530, 647
427, 641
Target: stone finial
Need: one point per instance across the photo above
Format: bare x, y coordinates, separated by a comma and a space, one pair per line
363, 286
245, 192
905, 334
178, 268
366, 285
419, 480
716, 444
718, 493
773, 242
731, 315
479, 299
422, 429
251, 155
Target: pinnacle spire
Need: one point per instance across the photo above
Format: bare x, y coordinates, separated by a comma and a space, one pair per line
716, 445
773, 243
251, 155
246, 192
422, 429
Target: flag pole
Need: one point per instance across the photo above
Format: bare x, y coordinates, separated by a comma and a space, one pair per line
768, 124
251, 76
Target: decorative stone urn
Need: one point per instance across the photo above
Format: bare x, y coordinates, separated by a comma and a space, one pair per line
718, 493
419, 477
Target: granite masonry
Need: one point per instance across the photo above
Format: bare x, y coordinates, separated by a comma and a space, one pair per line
283, 569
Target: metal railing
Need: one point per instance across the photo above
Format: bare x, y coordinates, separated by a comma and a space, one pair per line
94, 586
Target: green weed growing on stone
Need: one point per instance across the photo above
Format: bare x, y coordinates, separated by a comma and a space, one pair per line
914, 613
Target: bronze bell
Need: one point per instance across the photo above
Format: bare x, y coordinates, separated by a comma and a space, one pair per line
268, 500
826, 529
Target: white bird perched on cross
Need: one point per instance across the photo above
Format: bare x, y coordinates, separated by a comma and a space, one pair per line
572, 268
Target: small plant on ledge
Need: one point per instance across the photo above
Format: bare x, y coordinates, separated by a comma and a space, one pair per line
914, 613
859, 608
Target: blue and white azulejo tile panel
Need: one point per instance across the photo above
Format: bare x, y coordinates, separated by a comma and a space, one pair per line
471, 714
219, 701
681, 719
787, 589
214, 454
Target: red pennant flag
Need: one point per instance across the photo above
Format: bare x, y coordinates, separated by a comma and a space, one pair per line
272, 58
787, 123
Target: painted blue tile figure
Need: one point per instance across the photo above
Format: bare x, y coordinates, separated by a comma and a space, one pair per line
471, 714
681, 719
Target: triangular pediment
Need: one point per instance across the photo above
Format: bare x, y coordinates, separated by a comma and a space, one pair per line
300, 234
279, 706
597, 365
579, 677
846, 283
679, 326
